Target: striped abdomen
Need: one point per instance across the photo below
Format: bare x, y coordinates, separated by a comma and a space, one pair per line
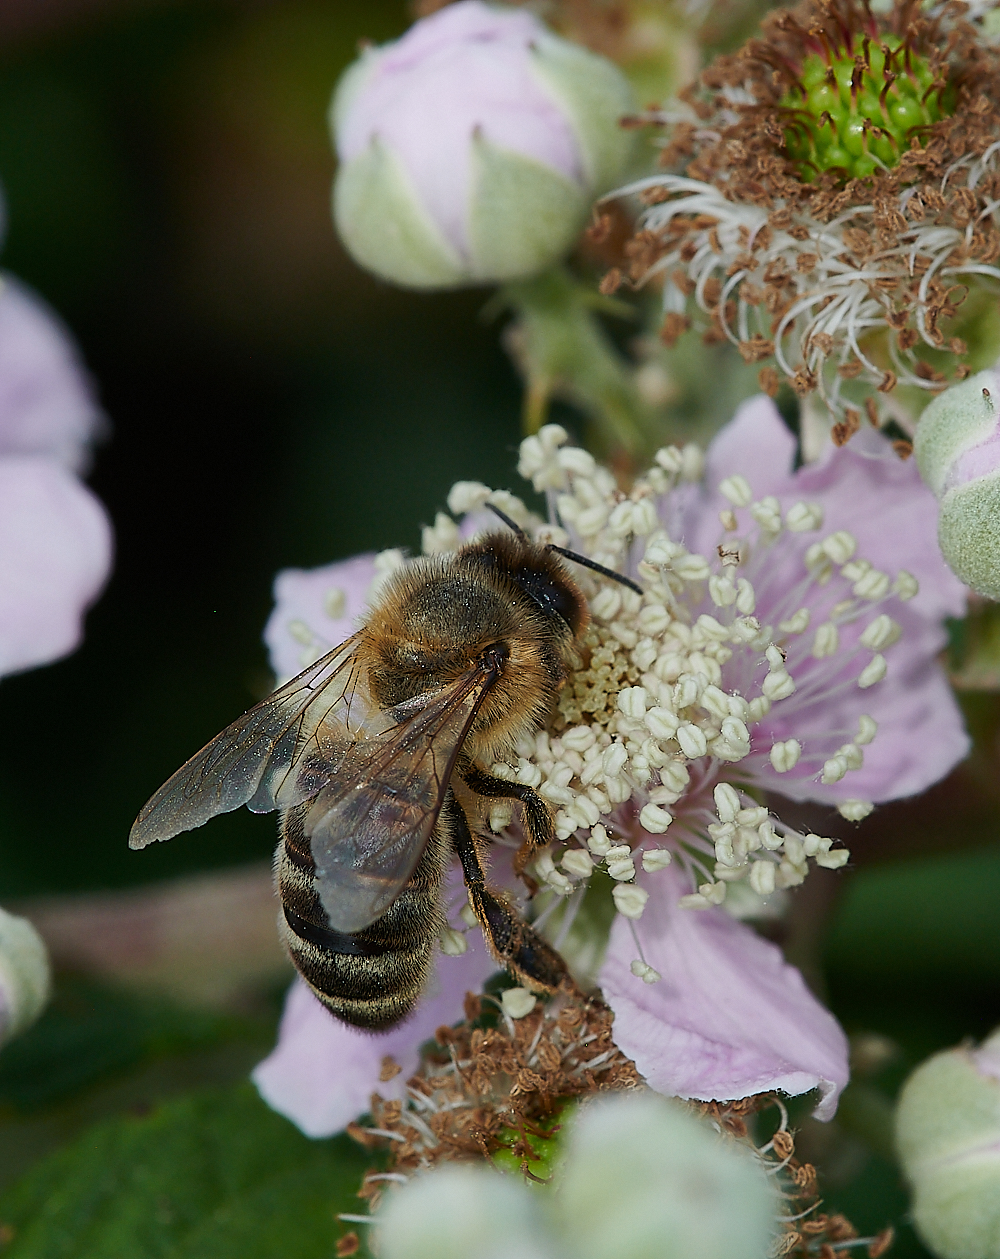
374, 977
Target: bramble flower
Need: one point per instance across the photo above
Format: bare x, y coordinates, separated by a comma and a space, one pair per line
472, 148
958, 454
948, 1137
55, 538
773, 651
831, 199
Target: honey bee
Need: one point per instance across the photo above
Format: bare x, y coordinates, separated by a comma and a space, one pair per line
374, 757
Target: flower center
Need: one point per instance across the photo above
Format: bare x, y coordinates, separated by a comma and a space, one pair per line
856, 107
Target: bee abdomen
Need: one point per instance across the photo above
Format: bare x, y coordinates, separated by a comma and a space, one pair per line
371, 978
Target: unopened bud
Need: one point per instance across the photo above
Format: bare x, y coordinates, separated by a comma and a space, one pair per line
958, 452
24, 975
948, 1136
472, 148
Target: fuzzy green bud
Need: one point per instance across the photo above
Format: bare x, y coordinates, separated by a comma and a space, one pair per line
948, 1136
958, 452
24, 975
471, 150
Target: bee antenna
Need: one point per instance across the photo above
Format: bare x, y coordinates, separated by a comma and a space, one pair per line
597, 568
507, 520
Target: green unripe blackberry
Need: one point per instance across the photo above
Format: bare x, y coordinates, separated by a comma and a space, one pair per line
854, 113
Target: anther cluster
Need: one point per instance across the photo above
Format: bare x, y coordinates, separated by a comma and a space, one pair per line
684, 706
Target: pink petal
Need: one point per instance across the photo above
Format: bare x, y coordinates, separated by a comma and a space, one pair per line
465, 68
47, 404
866, 489
55, 555
302, 609
729, 1017
322, 1073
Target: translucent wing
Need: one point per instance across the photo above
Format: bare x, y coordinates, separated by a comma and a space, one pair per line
368, 826
276, 755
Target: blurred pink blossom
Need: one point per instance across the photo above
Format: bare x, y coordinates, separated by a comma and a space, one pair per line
55, 537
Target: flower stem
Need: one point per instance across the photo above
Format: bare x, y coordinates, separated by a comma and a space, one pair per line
563, 351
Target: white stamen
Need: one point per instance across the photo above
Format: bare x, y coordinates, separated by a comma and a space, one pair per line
746, 599
882, 632
641, 970
722, 591
728, 520
906, 585
867, 730
737, 490
654, 859
873, 672
778, 686
762, 877
517, 1002
833, 860
452, 942
854, 810
834, 769
795, 624
501, 816
335, 603
803, 517
874, 585
630, 900
785, 756
655, 819
441, 537
840, 546
826, 641
301, 632
577, 863
692, 739
767, 513
599, 843
632, 702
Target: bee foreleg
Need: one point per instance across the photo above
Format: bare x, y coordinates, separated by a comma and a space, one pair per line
538, 828
512, 942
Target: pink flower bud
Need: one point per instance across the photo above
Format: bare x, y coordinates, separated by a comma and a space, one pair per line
471, 149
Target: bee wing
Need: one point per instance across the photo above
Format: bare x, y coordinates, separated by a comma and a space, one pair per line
276, 755
368, 827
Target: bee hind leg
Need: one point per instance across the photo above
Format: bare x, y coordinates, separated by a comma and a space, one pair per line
512, 942
538, 828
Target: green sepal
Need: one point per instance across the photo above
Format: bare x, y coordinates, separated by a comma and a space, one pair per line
969, 533
523, 216
594, 95
953, 423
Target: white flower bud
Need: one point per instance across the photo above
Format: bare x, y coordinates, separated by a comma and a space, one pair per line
644, 1178
958, 452
472, 148
948, 1136
24, 975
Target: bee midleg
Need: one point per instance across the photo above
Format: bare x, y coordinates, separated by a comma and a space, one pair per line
512, 942
374, 977
539, 830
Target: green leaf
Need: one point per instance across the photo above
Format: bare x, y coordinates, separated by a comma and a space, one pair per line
205, 1177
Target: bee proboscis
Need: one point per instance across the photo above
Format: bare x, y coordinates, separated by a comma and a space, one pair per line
374, 757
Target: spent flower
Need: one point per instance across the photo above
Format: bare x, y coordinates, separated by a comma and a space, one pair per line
830, 198
471, 148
